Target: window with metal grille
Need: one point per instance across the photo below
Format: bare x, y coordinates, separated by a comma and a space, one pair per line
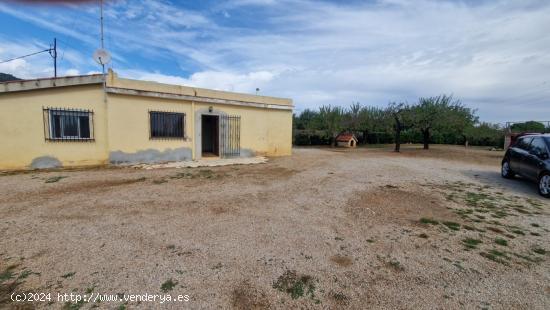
68, 124
167, 125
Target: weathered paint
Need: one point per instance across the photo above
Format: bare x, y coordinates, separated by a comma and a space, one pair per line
121, 123
150, 156
247, 153
45, 162
22, 127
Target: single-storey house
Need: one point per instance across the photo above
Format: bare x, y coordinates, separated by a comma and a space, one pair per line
346, 140
101, 119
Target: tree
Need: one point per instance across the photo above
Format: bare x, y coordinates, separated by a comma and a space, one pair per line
372, 119
458, 119
305, 120
485, 134
399, 113
352, 117
434, 113
530, 126
330, 120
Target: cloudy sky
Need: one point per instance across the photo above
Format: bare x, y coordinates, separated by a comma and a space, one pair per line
494, 55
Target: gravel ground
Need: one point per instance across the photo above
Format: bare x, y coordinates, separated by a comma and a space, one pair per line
322, 229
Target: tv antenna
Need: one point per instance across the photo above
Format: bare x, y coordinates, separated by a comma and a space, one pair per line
52, 51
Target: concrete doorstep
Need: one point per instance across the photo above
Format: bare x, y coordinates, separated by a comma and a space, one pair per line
213, 162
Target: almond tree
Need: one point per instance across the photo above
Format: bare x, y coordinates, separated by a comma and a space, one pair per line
400, 113
442, 113
330, 120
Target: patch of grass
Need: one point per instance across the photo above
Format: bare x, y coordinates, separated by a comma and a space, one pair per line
535, 225
528, 258
68, 275
450, 197
518, 232
535, 234
54, 179
423, 235
495, 256
471, 243
464, 212
294, 285
468, 227
458, 265
370, 241
522, 211
497, 253
500, 214
533, 202
495, 229
338, 238
217, 266
396, 265
431, 221
476, 199
73, 305
539, 250
501, 241
182, 175
206, 173
24, 274
168, 285
160, 181
340, 297
6, 275
452, 225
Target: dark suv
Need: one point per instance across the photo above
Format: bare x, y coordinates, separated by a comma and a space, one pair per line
529, 157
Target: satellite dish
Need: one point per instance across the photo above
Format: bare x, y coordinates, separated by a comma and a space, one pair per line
102, 56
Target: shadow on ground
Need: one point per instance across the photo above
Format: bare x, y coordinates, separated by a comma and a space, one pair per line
517, 185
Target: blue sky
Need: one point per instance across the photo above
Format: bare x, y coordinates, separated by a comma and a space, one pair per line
493, 55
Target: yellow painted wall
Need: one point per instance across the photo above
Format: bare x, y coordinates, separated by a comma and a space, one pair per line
22, 127
264, 131
121, 126
128, 121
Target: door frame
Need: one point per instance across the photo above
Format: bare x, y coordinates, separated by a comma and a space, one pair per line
198, 128
216, 127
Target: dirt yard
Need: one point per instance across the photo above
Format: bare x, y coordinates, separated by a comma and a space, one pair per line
325, 228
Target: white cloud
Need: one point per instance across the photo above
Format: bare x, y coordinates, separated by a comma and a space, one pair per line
39, 65
72, 72
244, 83
492, 54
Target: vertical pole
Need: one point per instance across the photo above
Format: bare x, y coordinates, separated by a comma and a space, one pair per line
101, 21
55, 57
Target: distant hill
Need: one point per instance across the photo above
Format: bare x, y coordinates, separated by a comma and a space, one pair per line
4, 77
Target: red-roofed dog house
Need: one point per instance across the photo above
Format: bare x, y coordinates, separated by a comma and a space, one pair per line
346, 140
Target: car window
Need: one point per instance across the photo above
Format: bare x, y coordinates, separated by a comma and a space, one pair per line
538, 146
523, 143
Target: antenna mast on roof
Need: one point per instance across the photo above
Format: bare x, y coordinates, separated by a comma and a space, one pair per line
101, 21
101, 55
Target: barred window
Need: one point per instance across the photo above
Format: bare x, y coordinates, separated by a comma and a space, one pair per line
68, 124
167, 124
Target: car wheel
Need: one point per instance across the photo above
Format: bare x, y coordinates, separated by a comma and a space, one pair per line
544, 185
506, 171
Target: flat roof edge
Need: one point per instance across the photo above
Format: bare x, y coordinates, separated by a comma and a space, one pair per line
45, 83
155, 94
